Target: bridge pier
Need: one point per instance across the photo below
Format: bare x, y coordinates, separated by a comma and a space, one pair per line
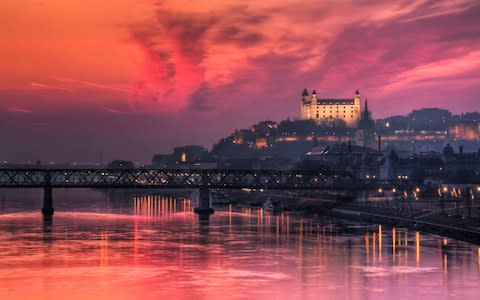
204, 208
47, 209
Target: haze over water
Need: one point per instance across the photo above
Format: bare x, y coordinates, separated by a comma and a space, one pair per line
102, 246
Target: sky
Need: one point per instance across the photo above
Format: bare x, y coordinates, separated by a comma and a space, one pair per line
124, 79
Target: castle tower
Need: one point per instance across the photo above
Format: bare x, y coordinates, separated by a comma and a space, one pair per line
314, 98
306, 104
305, 96
356, 98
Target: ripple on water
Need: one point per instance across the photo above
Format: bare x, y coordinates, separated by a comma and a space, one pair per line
122, 256
381, 271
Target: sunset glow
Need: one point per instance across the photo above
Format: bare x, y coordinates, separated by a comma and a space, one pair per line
191, 62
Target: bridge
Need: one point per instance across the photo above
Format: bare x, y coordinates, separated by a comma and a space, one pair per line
204, 180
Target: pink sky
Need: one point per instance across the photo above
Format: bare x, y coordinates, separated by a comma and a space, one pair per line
81, 77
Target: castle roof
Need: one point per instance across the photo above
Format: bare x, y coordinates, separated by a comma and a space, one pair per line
305, 92
333, 101
314, 92
357, 92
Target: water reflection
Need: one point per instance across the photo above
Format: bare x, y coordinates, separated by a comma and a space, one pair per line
154, 206
153, 246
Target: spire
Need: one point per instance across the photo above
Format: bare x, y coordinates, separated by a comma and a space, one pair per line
357, 92
305, 92
314, 92
366, 113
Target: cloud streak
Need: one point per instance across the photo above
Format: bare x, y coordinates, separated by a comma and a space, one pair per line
19, 109
37, 85
115, 111
89, 84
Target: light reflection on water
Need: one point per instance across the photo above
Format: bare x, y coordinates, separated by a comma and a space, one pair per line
147, 247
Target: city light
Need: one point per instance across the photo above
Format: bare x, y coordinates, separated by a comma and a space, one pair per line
417, 190
445, 189
380, 190
394, 190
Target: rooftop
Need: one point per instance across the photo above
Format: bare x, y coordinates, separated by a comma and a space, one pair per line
336, 101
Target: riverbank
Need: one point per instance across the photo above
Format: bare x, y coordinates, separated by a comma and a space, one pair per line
457, 228
394, 213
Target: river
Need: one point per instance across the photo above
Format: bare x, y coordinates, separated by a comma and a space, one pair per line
116, 246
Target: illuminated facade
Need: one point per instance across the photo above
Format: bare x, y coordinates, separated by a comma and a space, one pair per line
327, 110
467, 131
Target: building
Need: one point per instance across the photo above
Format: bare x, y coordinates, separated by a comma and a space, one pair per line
366, 129
189, 153
361, 161
326, 110
461, 167
419, 167
465, 131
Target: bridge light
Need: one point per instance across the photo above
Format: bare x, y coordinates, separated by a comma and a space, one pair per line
417, 190
394, 190
445, 189
380, 190
478, 188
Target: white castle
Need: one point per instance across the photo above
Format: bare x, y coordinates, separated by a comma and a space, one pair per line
322, 110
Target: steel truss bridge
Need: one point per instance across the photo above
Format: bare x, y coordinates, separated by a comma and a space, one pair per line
183, 179
204, 180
